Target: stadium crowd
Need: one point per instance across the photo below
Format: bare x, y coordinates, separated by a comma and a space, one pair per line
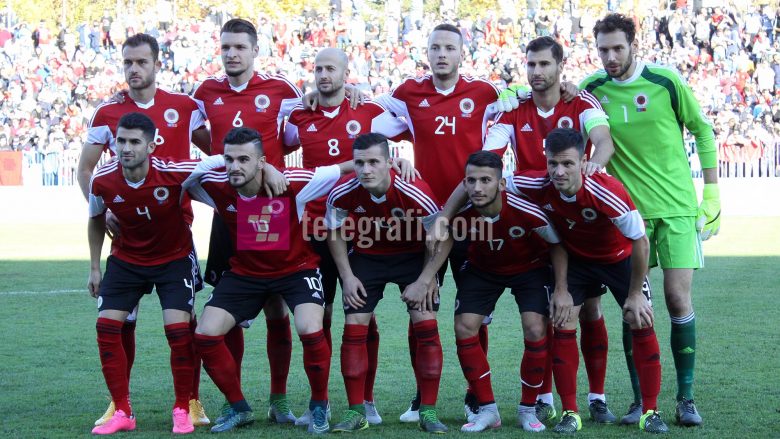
53, 77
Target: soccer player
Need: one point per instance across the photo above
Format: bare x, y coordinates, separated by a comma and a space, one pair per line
325, 136
648, 106
526, 128
178, 122
270, 256
384, 217
153, 248
604, 236
447, 114
243, 97
511, 245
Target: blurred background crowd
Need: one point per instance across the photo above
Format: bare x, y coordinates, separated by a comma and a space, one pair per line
54, 72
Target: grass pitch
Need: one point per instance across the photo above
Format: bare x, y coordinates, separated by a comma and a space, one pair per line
51, 385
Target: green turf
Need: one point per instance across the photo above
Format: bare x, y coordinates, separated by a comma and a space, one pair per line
51, 385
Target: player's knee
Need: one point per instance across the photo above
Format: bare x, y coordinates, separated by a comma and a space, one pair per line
535, 331
591, 310
275, 307
465, 329
678, 302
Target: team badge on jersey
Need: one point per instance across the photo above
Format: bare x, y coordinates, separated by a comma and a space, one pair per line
353, 128
171, 116
565, 122
262, 102
466, 107
161, 194
397, 212
640, 101
589, 214
516, 232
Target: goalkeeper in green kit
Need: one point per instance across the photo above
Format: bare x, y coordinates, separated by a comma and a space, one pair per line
648, 105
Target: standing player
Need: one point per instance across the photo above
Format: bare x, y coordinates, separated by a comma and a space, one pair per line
325, 136
605, 238
243, 97
386, 216
526, 128
656, 102
178, 121
447, 114
153, 248
271, 256
512, 242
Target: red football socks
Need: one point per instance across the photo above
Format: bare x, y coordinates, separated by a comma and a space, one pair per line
114, 362
566, 361
647, 359
594, 343
316, 362
180, 341
476, 369
372, 345
220, 365
279, 349
354, 361
532, 369
234, 341
429, 361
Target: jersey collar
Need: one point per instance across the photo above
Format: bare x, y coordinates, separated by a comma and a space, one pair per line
640, 67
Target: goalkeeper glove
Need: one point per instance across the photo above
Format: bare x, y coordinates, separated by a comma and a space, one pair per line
708, 221
511, 97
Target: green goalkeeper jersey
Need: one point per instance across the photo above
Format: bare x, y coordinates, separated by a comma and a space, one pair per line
647, 113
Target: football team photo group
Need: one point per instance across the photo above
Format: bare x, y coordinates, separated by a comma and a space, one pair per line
565, 195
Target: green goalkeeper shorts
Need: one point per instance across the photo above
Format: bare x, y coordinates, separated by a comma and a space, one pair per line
674, 242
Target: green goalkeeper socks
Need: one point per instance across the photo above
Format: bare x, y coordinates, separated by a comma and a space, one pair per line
683, 341
628, 350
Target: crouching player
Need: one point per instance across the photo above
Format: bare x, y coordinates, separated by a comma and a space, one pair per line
154, 248
604, 236
271, 256
511, 244
385, 217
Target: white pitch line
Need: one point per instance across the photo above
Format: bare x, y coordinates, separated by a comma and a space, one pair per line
29, 293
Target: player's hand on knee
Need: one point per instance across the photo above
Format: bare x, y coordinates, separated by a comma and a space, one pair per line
275, 182
352, 289
637, 311
415, 295
561, 306
432, 296
93, 283
569, 91
112, 225
405, 169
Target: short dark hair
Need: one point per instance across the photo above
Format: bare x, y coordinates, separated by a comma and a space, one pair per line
616, 22
365, 141
138, 40
486, 159
238, 26
140, 121
543, 43
449, 28
242, 135
561, 139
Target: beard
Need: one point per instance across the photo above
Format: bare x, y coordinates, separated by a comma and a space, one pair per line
625, 67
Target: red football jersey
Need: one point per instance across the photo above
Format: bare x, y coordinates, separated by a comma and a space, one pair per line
513, 242
262, 104
209, 184
389, 225
526, 127
326, 135
175, 115
597, 224
152, 226
447, 125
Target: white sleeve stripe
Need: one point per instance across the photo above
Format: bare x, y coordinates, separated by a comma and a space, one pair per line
548, 233
303, 179
106, 169
607, 197
204, 179
607, 193
528, 182
525, 209
417, 195
526, 204
589, 98
104, 104
343, 189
